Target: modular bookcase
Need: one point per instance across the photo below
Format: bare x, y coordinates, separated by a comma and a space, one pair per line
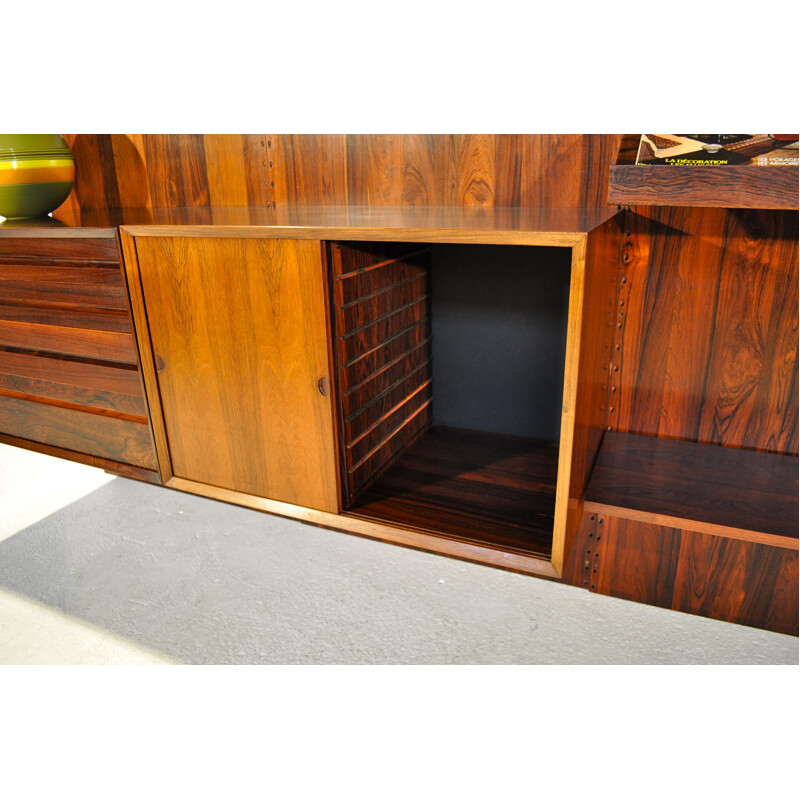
509, 350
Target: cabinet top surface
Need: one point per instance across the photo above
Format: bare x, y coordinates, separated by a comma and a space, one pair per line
543, 226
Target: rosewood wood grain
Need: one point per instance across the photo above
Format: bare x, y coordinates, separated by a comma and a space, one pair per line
307, 169
90, 319
741, 494
83, 287
389, 325
750, 392
479, 170
707, 323
740, 186
628, 148
92, 246
78, 430
240, 391
385, 356
50, 367
97, 345
742, 582
148, 171
115, 467
416, 170
484, 488
381, 299
110, 403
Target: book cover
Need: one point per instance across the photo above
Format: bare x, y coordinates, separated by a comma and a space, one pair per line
718, 149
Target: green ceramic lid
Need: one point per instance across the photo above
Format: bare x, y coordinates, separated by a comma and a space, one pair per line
23, 143
34, 156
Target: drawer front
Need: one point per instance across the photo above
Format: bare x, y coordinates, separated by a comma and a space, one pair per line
73, 382
91, 344
116, 439
59, 248
67, 297
62, 272
85, 286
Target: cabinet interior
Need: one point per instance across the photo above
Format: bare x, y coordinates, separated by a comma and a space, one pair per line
450, 370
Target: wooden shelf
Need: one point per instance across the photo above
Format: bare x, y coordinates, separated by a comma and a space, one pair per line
745, 186
739, 494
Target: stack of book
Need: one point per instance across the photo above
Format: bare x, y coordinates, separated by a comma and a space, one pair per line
714, 149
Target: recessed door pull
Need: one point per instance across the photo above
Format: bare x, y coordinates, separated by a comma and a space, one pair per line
322, 385
160, 365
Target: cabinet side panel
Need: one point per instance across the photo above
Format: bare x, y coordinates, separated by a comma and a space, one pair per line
239, 335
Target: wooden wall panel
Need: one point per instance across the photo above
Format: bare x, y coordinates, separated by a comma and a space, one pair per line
490, 170
282, 170
176, 170
707, 345
750, 394
169, 170
307, 169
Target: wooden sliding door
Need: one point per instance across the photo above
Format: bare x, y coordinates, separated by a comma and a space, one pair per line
239, 336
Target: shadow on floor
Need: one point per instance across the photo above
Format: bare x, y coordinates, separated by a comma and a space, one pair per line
203, 582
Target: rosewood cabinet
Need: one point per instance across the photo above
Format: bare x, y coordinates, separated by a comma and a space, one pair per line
289, 368
238, 332
370, 368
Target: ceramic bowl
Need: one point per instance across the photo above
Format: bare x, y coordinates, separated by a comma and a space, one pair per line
37, 173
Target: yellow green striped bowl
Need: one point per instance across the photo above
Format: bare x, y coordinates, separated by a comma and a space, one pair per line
37, 173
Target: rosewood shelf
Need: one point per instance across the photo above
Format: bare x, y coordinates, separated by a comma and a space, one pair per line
738, 494
744, 186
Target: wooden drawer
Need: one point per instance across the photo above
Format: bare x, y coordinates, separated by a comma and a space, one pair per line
90, 285
59, 248
65, 296
86, 343
110, 388
116, 439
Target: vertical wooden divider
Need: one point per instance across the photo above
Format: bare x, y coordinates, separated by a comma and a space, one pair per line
590, 339
130, 271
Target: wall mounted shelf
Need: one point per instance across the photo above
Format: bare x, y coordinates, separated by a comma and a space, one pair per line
720, 187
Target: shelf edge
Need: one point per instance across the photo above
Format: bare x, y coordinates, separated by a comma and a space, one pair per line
696, 526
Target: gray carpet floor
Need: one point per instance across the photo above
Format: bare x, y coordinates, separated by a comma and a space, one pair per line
203, 582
